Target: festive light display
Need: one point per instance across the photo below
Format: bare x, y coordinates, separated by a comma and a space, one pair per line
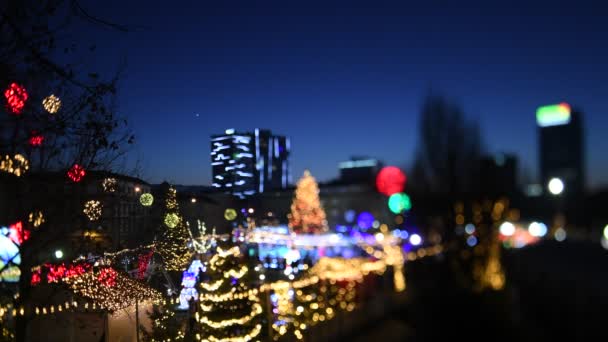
17, 165
143, 261
76, 173
36, 218
390, 180
36, 139
399, 203
172, 220
365, 220
146, 199
110, 290
189, 279
230, 214
109, 184
51, 104
228, 309
172, 245
307, 214
9, 257
15, 98
93, 210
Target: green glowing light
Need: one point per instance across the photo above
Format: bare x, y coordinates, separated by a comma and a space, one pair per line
399, 202
553, 115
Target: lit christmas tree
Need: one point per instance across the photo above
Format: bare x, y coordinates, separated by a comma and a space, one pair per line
172, 245
166, 326
307, 216
228, 310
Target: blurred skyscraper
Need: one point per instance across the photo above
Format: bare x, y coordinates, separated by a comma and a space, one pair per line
561, 147
247, 163
359, 170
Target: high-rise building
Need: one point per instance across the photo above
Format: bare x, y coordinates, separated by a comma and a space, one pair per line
359, 169
561, 147
251, 162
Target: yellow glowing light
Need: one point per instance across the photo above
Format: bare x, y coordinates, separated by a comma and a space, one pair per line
172, 220
36, 218
93, 209
17, 165
230, 214
146, 199
109, 184
51, 104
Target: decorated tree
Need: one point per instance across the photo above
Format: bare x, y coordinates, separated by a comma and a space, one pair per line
307, 215
172, 245
228, 309
166, 326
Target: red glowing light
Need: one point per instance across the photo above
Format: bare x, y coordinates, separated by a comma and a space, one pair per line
142, 264
35, 277
15, 97
17, 233
390, 180
56, 273
36, 139
76, 173
107, 277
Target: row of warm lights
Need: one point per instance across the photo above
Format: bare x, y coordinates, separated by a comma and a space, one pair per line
255, 310
51, 309
247, 337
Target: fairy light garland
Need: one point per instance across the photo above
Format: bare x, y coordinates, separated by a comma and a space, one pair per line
109, 184
247, 337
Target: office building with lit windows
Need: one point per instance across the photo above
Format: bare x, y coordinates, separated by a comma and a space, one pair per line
247, 163
561, 147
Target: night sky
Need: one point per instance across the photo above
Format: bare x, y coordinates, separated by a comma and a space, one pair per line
348, 78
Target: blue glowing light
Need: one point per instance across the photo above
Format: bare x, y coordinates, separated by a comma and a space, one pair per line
365, 220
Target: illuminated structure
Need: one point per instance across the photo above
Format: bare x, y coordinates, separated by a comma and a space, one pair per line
172, 245
247, 163
561, 147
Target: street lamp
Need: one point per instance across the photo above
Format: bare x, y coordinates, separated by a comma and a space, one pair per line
555, 186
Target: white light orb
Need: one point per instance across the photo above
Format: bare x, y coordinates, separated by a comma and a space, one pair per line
555, 186
560, 234
507, 228
537, 229
59, 254
415, 239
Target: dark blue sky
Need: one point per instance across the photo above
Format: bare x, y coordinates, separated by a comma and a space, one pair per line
347, 78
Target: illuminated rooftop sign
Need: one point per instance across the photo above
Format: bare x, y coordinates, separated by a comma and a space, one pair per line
553, 115
358, 163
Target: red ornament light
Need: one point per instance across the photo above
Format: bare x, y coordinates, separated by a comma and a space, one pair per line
56, 273
76, 173
15, 97
107, 276
390, 180
17, 233
36, 278
36, 139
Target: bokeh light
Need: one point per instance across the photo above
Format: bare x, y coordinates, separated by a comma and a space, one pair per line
560, 234
399, 203
471, 241
537, 229
230, 214
350, 216
390, 180
415, 239
555, 186
469, 228
365, 220
507, 228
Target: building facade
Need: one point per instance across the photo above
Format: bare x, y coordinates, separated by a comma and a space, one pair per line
561, 147
247, 163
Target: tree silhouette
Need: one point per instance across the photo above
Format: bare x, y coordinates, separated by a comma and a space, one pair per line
449, 149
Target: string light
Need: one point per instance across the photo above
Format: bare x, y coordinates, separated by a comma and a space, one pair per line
93, 210
15, 97
146, 199
172, 220
36, 218
51, 104
76, 173
17, 165
173, 243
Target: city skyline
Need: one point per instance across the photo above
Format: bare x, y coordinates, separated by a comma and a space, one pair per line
349, 79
